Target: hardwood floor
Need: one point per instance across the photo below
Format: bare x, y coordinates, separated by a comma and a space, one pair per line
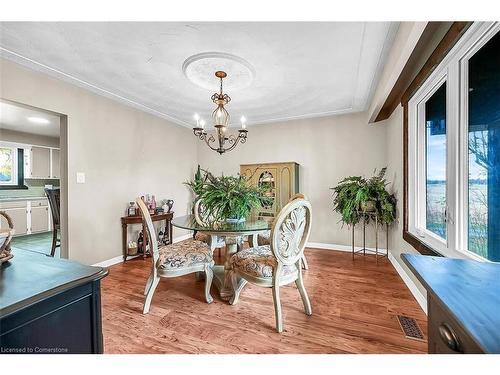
354, 311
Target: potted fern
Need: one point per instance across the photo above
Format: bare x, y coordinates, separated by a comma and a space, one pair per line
226, 198
356, 195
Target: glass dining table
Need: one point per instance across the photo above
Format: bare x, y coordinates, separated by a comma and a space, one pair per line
233, 234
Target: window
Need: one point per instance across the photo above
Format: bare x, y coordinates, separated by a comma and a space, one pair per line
435, 165
8, 166
453, 178
483, 123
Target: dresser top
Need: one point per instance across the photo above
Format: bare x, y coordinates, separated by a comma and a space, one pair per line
30, 277
468, 289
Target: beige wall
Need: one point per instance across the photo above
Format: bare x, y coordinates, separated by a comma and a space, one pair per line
327, 149
394, 131
28, 138
123, 152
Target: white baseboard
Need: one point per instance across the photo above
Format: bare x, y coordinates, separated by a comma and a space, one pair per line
331, 246
119, 258
421, 299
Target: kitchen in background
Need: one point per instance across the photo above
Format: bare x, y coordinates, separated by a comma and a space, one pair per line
29, 163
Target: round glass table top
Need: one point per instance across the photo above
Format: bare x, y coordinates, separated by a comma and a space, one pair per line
251, 224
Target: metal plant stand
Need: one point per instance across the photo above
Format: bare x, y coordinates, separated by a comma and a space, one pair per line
366, 216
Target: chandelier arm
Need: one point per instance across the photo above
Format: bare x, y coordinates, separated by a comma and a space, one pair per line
208, 140
233, 145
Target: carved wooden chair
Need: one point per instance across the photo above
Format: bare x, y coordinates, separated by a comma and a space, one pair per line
265, 238
215, 242
54, 198
279, 263
174, 260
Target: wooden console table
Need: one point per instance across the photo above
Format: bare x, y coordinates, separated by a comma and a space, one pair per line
128, 220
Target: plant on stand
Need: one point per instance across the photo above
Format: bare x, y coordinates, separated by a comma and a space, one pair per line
355, 196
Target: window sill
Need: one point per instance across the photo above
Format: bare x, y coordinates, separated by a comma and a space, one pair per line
424, 249
13, 187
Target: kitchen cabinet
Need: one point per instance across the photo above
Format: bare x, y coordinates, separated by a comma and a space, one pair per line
29, 216
19, 218
55, 162
39, 219
40, 162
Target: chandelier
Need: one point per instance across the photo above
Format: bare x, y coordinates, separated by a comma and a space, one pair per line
220, 141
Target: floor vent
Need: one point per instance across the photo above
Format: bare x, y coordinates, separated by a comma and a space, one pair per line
410, 328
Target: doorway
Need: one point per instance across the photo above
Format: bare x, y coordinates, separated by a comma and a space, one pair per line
33, 163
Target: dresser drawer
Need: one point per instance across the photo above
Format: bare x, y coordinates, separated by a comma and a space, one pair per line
446, 335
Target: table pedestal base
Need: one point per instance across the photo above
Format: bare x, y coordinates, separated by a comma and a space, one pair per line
225, 290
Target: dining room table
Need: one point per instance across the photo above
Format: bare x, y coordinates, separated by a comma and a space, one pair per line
233, 234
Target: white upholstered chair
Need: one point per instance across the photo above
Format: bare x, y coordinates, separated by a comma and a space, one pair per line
278, 263
265, 238
174, 260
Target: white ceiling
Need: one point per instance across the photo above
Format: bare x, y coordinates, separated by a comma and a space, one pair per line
13, 117
298, 70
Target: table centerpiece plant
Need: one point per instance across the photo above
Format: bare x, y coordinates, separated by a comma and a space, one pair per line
226, 198
355, 196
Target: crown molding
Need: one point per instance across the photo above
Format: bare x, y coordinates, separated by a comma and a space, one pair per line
40, 67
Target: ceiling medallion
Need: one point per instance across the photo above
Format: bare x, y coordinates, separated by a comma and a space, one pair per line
199, 69
220, 117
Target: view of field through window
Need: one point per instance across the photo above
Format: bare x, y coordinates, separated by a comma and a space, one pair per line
435, 150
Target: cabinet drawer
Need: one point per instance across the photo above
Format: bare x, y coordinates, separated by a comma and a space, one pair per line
446, 336
39, 203
12, 204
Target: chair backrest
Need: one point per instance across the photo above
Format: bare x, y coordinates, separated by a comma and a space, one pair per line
54, 198
198, 212
297, 196
290, 231
148, 223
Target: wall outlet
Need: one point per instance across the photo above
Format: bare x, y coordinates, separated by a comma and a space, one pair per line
80, 177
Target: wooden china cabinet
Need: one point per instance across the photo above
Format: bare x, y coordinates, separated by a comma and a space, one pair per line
280, 181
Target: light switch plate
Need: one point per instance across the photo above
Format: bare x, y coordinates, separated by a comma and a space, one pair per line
80, 177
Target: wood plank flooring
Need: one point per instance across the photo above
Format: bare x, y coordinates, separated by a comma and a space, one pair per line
354, 311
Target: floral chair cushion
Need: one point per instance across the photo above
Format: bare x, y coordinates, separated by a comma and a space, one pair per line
259, 262
184, 254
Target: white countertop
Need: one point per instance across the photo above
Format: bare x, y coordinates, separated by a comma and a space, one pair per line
27, 198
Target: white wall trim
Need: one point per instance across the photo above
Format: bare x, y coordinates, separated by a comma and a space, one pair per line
336, 247
119, 258
421, 299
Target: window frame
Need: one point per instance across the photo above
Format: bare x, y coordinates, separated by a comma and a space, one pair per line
453, 70
18, 170
15, 174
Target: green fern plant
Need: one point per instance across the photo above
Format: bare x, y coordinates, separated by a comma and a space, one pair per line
353, 191
226, 197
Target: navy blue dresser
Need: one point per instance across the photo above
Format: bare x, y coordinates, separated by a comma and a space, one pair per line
49, 305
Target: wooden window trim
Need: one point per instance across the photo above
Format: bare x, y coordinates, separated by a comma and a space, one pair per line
449, 40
